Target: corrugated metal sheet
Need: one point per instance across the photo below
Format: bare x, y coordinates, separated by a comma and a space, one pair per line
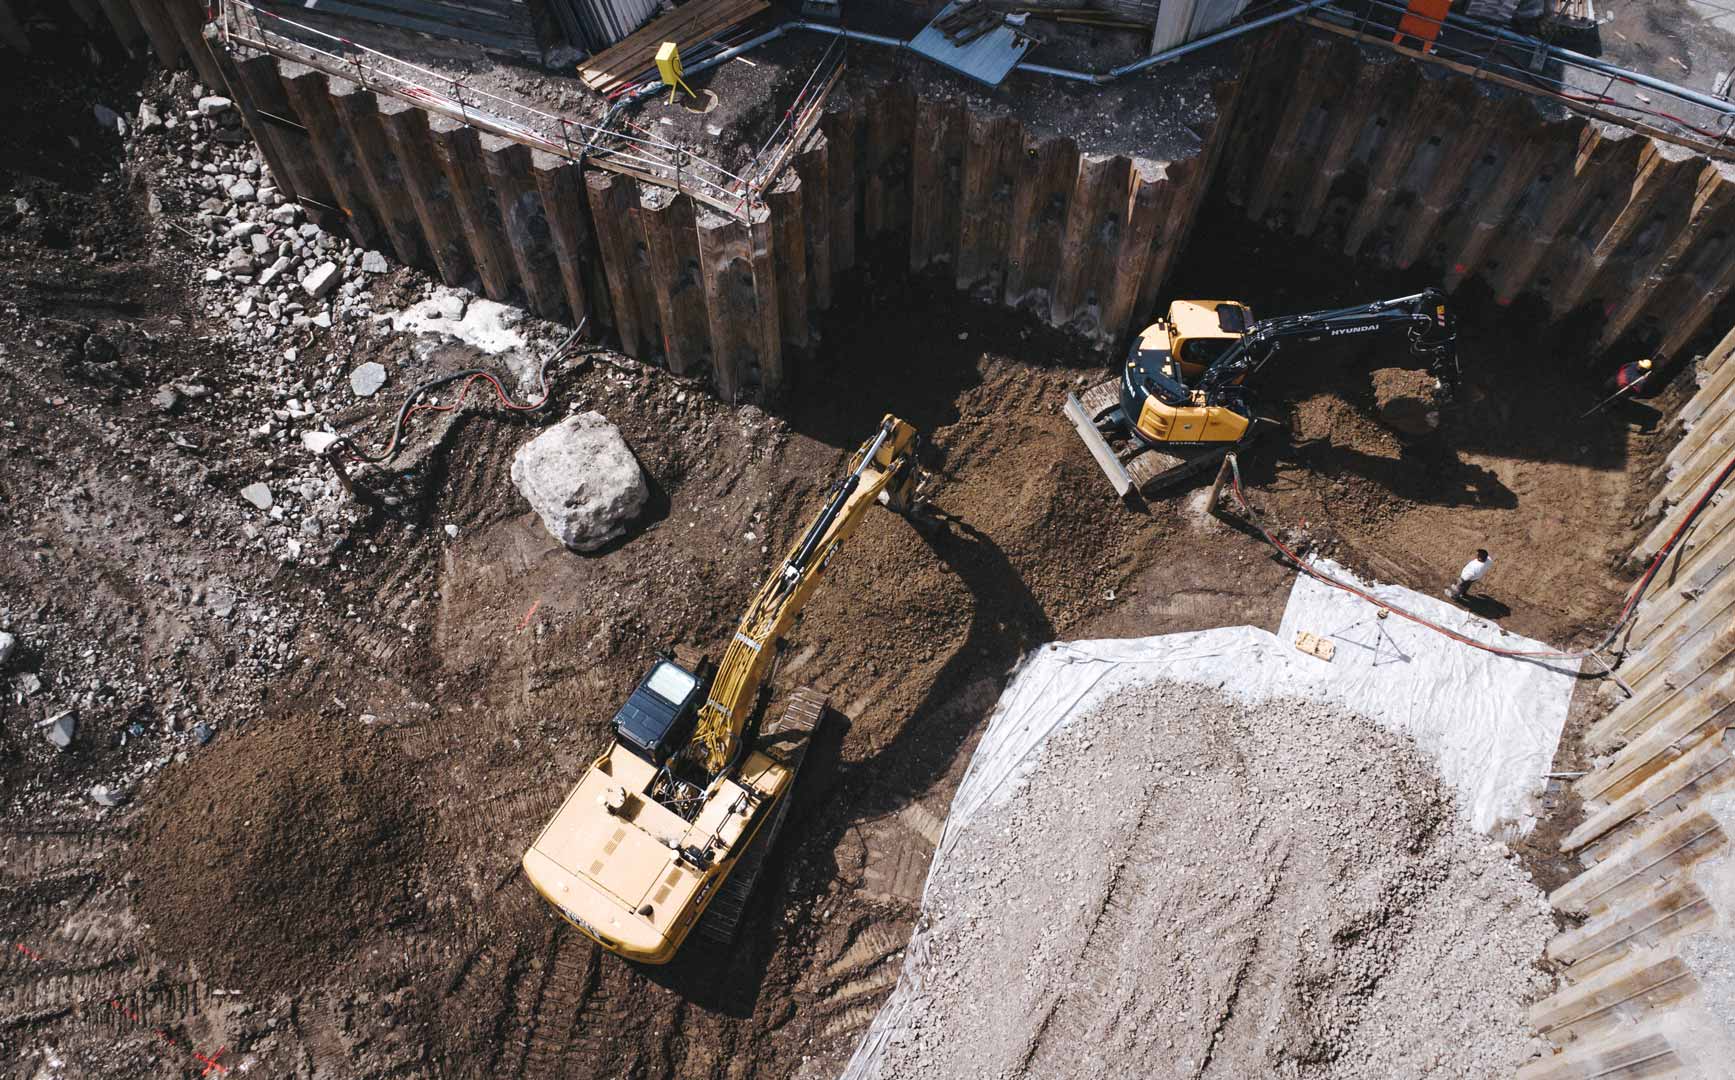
597, 24
988, 59
498, 25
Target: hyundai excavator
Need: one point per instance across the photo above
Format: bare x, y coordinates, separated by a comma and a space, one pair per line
673, 821
1181, 402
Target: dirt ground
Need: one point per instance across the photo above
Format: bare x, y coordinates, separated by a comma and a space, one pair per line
328, 887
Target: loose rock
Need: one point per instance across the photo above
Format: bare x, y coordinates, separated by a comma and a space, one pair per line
581, 478
61, 729
258, 494
367, 379
103, 795
322, 280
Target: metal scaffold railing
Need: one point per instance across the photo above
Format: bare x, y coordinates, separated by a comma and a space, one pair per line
628, 149
1584, 84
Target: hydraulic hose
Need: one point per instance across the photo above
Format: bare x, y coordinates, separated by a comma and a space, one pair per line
1634, 596
413, 403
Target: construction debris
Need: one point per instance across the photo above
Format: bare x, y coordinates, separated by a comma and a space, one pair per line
1314, 645
1262, 903
61, 728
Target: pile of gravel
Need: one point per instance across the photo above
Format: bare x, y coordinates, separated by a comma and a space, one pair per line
1189, 886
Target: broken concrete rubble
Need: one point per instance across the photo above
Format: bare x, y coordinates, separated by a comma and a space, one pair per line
367, 379
321, 280
61, 728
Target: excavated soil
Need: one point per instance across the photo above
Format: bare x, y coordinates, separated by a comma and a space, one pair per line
1184, 885
330, 887
314, 869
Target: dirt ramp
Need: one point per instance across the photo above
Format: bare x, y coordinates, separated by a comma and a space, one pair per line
280, 853
1186, 886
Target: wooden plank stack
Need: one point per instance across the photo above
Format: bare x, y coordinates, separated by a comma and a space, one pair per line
686, 26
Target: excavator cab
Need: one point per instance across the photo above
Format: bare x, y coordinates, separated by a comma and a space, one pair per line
658, 716
1201, 331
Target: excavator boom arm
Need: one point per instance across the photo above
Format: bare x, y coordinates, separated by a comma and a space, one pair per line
1424, 315
884, 464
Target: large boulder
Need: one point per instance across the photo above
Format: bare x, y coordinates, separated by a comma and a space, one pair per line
581, 478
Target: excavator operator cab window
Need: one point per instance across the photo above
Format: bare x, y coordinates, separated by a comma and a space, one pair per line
1205, 351
657, 719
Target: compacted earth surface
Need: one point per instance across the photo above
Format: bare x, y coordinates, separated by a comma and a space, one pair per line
309, 731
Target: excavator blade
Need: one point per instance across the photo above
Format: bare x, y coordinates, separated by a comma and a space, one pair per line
1099, 448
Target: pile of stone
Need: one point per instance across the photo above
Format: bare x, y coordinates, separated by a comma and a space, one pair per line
268, 265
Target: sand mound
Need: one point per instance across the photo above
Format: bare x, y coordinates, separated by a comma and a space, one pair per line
1186, 886
277, 853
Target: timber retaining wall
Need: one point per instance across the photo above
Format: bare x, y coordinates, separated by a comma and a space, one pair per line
1362, 149
1403, 163
1648, 966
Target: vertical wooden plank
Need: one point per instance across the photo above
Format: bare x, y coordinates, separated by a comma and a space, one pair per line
164, 41
767, 319
561, 184
1039, 207
727, 270
812, 167
789, 258
937, 157
991, 157
613, 199
294, 165
1095, 219
357, 111
507, 165
406, 131
844, 181
458, 150
309, 92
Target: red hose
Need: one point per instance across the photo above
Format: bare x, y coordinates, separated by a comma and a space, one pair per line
1627, 610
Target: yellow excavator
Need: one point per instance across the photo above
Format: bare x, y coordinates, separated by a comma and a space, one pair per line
1181, 402
674, 820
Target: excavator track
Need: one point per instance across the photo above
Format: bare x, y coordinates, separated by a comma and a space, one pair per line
786, 740
1154, 470
1101, 399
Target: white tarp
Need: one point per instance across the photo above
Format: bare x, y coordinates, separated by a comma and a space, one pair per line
1490, 723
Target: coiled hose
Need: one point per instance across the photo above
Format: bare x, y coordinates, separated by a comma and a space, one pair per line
413, 403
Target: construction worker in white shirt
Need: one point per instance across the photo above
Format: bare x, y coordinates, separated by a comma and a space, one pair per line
1472, 573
